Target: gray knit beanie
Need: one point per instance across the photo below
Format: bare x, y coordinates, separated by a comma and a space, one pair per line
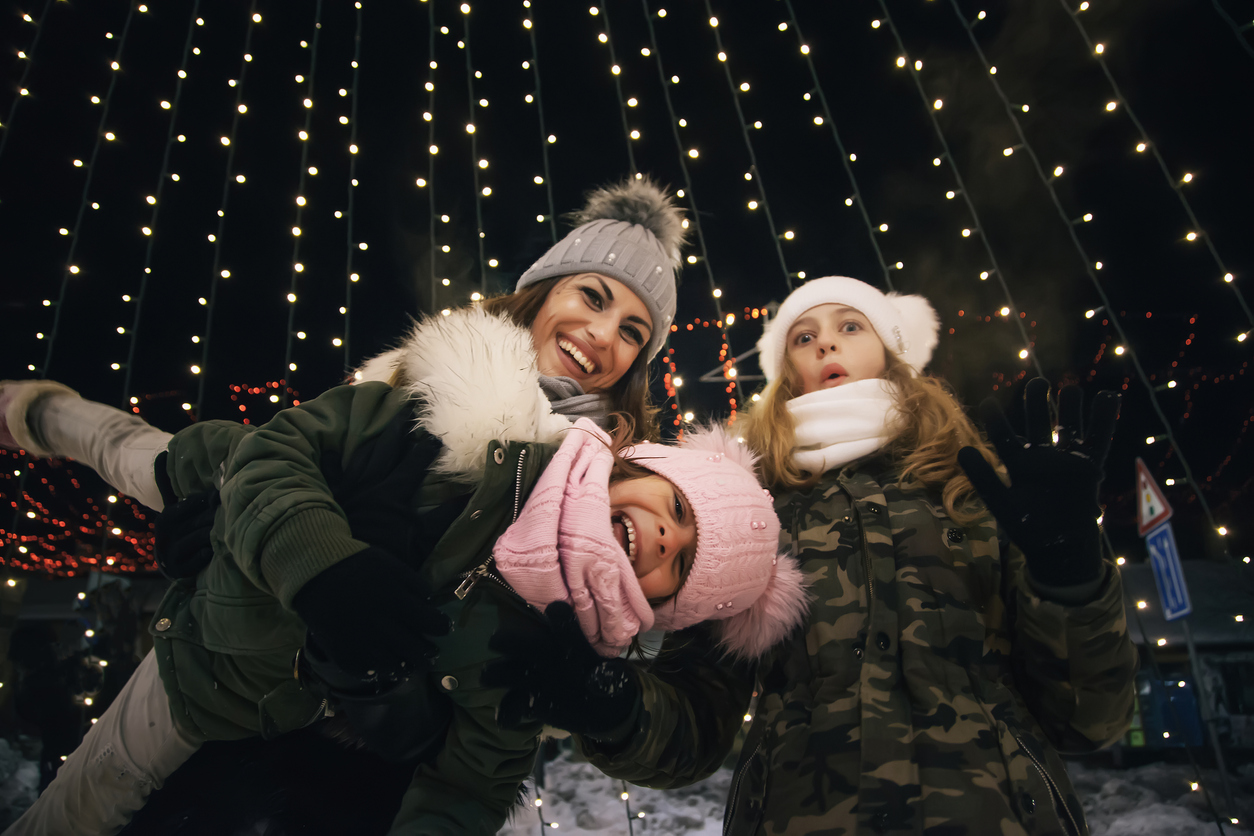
631, 232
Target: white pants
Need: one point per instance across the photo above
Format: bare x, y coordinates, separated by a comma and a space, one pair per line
130, 751
121, 447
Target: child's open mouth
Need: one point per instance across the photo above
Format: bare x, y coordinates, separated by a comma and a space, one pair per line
833, 374
625, 534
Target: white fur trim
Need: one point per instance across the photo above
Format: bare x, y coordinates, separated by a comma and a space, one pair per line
476, 381
907, 325
381, 367
23, 394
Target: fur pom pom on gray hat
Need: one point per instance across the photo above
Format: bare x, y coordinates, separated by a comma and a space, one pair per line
632, 232
907, 325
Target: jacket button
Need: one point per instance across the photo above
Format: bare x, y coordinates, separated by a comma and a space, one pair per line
498, 456
163, 625
857, 650
879, 822
1029, 804
883, 641
449, 683
474, 515
954, 535
848, 518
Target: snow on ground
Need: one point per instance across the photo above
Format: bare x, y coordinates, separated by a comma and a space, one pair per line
1151, 800
19, 784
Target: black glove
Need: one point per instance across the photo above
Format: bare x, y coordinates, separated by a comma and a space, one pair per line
1050, 510
369, 614
554, 676
181, 542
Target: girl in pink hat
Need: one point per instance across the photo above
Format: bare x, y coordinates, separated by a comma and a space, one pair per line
964, 630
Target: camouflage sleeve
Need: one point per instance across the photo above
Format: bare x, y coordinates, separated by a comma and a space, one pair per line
1075, 665
692, 703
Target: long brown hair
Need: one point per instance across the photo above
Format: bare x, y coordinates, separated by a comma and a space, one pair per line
930, 428
629, 396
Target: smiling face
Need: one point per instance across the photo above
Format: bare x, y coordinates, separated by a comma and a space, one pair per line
655, 526
591, 328
831, 345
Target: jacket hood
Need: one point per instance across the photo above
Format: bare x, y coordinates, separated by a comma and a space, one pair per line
474, 378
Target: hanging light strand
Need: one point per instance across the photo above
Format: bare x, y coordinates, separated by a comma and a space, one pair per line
690, 195
132, 333
292, 297
840, 147
70, 267
618, 88
964, 191
352, 188
7, 127
544, 142
1172, 182
1237, 29
472, 127
216, 276
1088, 265
753, 160
430, 184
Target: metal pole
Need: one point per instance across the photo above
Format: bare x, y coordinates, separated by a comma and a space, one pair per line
1207, 716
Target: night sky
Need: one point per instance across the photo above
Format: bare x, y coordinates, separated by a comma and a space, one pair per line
1184, 75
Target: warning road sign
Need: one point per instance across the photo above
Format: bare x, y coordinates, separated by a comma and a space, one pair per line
1152, 507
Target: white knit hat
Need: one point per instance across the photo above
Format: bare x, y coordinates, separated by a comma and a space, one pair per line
907, 325
631, 232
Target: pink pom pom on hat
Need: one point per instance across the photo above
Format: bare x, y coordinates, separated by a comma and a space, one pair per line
738, 575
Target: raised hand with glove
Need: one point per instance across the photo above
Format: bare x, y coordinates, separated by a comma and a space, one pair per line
554, 676
1050, 507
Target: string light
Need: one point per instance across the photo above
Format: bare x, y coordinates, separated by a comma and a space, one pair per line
479, 190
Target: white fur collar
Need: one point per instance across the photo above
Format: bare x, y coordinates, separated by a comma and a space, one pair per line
475, 378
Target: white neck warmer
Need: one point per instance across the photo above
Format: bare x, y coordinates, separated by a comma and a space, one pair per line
835, 426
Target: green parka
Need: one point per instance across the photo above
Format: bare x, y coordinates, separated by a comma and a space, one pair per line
929, 692
226, 639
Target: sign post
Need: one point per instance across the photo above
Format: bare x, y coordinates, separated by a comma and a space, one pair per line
1153, 515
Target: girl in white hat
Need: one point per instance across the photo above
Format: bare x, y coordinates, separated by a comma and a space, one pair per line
963, 630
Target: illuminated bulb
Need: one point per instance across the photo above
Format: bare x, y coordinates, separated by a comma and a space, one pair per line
1058, 171
492, 262
692, 259
434, 149
291, 367
632, 102
78, 163
1171, 384
300, 201
615, 69
1241, 337
692, 152
552, 139
195, 369
783, 27
1007, 151
470, 128
1099, 49
678, 381
936, 161
1004, 311
291, 297
1084, 6
420, 183
226, 140
1150, 439
1119, 561
298, 267
950, 195
1192, 236
818, 120
901, 60
918, 65
883, 227
1187, 178
1141, 146
1097, 265
635, 134
1140, 605
789, 235
718, 293
164, 105
1111, 106
938, 104
1161, 643
300, 335
753, 204
1088, 216
110, 135
688, 416
966, 233
239, 178
722, 56
1023, 355
1025, 108
674, 79
296, 230
1223, 532
757, 125
645, 51
805, 49
1119, 350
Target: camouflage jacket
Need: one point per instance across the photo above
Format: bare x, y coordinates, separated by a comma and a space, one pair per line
929, 692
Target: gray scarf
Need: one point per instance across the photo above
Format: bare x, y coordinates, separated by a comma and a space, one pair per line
567, 398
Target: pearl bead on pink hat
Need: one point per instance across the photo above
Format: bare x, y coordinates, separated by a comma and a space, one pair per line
738, 576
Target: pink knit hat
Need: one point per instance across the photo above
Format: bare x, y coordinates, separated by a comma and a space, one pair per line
738, 575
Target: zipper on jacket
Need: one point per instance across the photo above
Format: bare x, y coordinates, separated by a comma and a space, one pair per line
740, 773
1055, 792
469, 579
866, 557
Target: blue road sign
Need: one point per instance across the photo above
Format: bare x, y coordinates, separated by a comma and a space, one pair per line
1168, 575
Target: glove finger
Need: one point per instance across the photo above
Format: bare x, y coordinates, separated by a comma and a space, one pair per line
516, 709
1037, 424
1102, 422
997, 428
985, 481
1070, 417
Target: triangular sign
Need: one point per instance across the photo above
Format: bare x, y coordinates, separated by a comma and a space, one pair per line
1152, 507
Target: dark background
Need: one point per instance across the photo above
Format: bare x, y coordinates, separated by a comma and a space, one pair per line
1183, 71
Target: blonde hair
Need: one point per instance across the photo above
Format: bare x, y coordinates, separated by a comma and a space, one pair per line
930, 428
